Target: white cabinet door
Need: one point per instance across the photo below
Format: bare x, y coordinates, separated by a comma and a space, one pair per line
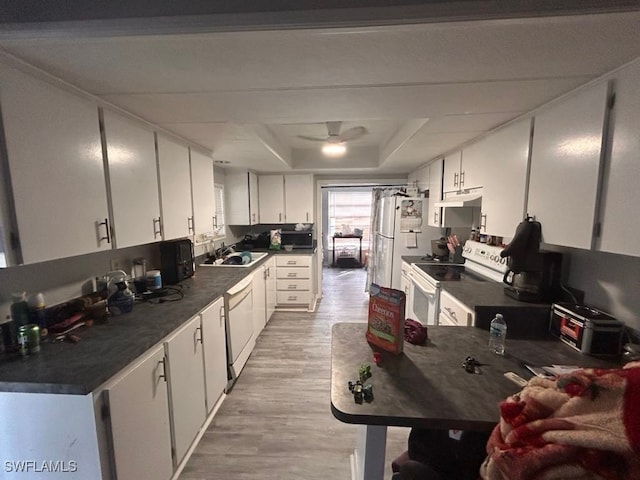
473, 165
298, 194
175, 191
139, 415
185, 370
259, 284
503, 194
133, 181
565, 164
241, 191
434, 215
215, 351
451, 180
203, 193
620, 225
271, 292
253, 199
57, 173
271, 198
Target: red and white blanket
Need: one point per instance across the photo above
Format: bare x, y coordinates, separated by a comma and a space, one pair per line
585, 425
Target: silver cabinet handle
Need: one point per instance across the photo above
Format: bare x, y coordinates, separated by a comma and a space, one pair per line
307, 216
221, 315
455, 179
199, 337
159, 230
292, 275
253, 215
107, 236
462, 178
163, 375
483, 222
190, 227
280, 217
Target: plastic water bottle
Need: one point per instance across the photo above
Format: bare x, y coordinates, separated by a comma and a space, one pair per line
497, 334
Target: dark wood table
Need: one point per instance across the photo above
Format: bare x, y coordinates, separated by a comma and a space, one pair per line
427, 387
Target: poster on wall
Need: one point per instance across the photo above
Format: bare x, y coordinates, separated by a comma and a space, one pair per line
411, 215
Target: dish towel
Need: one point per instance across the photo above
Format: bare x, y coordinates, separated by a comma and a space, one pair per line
584, 425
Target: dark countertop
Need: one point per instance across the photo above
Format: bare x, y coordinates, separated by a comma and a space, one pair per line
477, 294
105, 349
427, 387
414, 258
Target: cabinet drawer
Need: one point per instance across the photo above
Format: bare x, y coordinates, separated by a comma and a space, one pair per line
455, 310
293, 260
293, 272
289, 285
293, 298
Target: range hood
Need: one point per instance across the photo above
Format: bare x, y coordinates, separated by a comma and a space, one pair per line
461, 200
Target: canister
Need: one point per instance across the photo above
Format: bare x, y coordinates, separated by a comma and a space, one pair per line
28, 339
154, 280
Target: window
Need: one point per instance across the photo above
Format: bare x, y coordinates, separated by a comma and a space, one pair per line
349, 211
219, 230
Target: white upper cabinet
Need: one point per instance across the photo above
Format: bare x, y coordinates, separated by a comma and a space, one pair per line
503, 195
241, 191
57, 172
434, 215
451, 175
175, 194
131, 156
420, 178
565, 164
462, 170
203, 192
298, 195
620, 225
286, 198
271, 198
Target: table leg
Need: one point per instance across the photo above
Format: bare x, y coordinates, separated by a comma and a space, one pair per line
368, 458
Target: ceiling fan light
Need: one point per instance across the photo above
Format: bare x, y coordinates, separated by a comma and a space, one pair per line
334, 149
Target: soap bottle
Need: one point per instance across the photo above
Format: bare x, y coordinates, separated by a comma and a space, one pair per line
497, 334
19, 309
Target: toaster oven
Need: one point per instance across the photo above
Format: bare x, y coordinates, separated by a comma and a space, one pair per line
586, 329
176, 261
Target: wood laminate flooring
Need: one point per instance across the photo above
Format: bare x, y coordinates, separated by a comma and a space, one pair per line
276, 423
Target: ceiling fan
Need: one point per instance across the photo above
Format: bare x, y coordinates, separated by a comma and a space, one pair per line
334, 135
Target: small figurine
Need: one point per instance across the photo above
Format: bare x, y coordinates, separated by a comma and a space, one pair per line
365, 371
367, 391
356, 389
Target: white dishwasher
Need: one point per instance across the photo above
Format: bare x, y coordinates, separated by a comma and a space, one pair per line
238, 304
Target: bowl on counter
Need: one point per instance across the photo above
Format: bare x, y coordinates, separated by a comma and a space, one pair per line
288, 248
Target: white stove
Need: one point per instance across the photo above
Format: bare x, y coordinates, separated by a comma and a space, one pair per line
426, 303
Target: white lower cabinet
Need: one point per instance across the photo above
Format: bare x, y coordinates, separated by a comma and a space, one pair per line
215, 352
186, 385
293, 280
259, 286
139, 416
271, 288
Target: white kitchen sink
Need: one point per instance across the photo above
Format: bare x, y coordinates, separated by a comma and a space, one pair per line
255, 256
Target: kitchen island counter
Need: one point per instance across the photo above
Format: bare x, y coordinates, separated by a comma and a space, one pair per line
106, 348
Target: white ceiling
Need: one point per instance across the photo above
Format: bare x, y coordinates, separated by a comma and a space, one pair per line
420, 90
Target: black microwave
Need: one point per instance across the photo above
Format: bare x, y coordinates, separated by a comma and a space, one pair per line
176, 261
297, 239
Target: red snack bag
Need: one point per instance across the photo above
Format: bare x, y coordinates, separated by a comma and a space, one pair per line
386, 318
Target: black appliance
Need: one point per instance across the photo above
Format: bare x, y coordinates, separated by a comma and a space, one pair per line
176, 261
541, 282
298, 239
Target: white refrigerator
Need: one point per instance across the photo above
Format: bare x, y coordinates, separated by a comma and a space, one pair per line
401, 230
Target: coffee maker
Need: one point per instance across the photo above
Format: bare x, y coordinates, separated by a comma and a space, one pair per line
539, 282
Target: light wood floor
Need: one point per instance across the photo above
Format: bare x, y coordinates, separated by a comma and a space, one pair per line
276, 423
